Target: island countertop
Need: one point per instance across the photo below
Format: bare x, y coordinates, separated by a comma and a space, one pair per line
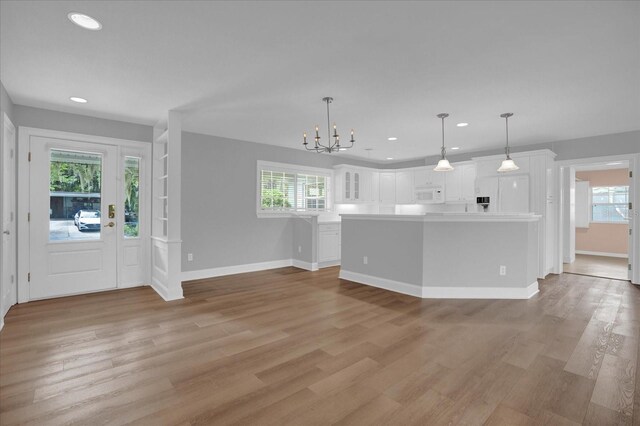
449, 217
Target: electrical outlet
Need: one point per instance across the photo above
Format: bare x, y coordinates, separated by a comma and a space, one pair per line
299, 249
365, 260
503, 270
190, 257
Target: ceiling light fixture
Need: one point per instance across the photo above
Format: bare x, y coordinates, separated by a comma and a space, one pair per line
615, 163
84, 21
330, 146
443, 164
508, 165
392, 138
78, 100
389, 158
455, 148
462, 124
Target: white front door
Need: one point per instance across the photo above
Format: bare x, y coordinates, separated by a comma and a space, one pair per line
8, 289
74, 219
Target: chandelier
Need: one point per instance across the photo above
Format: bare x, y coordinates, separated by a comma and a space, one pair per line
329, 146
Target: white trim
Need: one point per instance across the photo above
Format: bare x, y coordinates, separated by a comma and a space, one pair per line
329, 263
1, 322
234, 269
163, 292
522, 154
602, 253
309, 266
443, 292
23, 173
384, 283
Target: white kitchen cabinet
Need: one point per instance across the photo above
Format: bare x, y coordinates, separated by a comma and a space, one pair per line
426, 176
329, 243
387, 187
469, 172
353, 185
460, 183
404, 187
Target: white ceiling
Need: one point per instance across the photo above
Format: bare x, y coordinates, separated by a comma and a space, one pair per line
258, 71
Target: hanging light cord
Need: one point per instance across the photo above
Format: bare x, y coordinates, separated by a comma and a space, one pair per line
443, 151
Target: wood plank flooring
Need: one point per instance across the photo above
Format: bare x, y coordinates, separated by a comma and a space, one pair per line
599, 266
292, 347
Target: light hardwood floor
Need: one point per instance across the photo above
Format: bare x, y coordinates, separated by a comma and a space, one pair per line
599, 266
291, 347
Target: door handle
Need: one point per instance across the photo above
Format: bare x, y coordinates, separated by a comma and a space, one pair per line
110, 225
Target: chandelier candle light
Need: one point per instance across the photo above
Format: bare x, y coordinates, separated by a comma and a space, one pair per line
508, 165
330, 146
443, 164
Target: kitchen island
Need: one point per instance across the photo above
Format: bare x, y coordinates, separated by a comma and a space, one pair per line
443, 255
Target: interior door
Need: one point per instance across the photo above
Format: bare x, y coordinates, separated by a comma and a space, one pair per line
8, 293
73, 224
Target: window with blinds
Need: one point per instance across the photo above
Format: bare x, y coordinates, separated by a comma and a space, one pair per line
610, 204
288, 190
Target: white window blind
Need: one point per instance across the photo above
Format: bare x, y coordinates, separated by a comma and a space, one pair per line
289, 190
610, 204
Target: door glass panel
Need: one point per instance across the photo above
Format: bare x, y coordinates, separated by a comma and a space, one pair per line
131, 197
74, 195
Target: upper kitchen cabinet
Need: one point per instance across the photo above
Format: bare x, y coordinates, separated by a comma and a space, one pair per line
404, 187
426, 176
460, 183
353, 185
387, 186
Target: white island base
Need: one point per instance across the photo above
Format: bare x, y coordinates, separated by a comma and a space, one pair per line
443, 255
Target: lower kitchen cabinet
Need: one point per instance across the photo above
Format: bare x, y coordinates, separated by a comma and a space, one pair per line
328, 244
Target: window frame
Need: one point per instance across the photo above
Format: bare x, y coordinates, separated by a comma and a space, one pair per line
295, 170
592, 204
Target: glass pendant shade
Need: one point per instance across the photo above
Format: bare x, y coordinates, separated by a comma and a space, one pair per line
508, 165
443, 166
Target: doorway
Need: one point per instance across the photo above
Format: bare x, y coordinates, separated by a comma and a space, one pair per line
598, 221
88, 210
8, 288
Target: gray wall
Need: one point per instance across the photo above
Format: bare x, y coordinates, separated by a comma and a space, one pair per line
305, 236
595, 146
63, 121
469, 254
219, 222
393, 248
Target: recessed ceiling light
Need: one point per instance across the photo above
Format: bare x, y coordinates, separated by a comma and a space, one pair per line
462, 124
84, 21
615, 163
342, 149
392, 138
389, 158
455, 147
78, 100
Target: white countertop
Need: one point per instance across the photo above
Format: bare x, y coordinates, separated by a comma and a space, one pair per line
449, 217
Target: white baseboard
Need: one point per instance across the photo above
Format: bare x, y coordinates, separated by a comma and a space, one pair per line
235, 269
602, 253
329, 263
1, 323
443, 292
568, 259
304, 265
384, 283
164, 292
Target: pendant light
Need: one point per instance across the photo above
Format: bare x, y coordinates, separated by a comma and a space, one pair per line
508, 165
443, 164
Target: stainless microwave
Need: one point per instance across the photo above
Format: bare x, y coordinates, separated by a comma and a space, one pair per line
429, 194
